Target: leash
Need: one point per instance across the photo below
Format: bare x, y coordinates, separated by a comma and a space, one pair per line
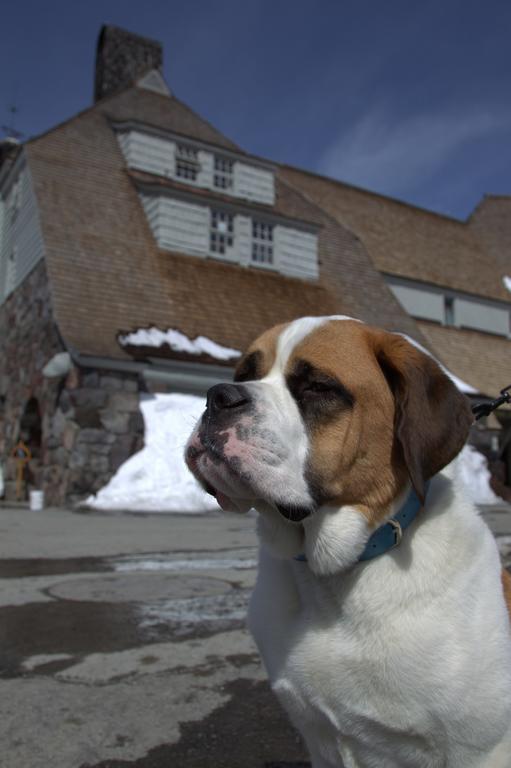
484, 409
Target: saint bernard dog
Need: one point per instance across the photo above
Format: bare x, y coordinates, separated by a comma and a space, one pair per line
380, 608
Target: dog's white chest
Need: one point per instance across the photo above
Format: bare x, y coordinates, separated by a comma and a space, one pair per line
360, 689
330, 685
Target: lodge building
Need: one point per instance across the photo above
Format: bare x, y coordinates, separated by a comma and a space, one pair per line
137, 214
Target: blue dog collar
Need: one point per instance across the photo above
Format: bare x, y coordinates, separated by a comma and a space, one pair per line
389, 535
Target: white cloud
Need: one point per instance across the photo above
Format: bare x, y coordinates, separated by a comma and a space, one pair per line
391, 155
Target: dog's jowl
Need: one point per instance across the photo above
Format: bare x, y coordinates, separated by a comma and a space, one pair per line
379, 608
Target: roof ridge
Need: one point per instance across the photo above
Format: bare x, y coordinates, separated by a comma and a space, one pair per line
371, 193
207, 122
134, 87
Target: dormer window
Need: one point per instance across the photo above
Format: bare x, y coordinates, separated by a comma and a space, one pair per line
262, 242
223, 176
187, 162
221, 234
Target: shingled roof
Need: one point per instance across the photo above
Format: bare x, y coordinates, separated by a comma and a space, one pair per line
413, 243
481, 360
407, 241
108, 276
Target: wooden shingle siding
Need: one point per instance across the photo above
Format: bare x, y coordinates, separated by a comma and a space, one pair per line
481, 317
254, 184
156, 155
21, 242
151, 208
205, 175
185, 227
426, 305
148, 153
243, 238
182, 227
296, 252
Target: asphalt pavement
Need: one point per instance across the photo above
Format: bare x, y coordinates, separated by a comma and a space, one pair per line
123, 643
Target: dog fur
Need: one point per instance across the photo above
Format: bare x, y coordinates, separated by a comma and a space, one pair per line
403, 661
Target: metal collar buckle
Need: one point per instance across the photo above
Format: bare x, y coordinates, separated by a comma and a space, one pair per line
398, 532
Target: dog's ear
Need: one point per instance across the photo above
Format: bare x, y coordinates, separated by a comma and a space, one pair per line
432, 417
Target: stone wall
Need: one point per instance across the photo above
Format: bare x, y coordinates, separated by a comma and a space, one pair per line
97, 425
90, 419
28, 339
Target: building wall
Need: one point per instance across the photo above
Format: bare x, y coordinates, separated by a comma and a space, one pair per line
183, 226
21, 242
90, 420
449, 307
157, 155
28, 339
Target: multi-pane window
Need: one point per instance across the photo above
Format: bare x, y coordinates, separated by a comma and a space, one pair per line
223, 176
221, 234
187, 162
262, 242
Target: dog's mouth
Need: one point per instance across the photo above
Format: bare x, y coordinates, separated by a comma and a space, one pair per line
219, 476
241, 474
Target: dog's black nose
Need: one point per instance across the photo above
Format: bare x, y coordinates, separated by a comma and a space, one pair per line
223, 396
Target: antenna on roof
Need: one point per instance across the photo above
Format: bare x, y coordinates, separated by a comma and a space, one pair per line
9, 130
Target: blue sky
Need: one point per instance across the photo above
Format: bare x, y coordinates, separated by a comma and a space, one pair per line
411, 99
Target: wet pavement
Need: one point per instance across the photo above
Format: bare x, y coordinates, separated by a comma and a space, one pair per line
123, 643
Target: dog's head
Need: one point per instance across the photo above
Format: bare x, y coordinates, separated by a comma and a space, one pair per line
327, 411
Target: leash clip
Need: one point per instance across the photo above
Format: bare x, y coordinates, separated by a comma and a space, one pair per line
484, 409
398, 532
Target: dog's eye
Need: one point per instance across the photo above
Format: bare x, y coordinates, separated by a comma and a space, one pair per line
324, 393
318, 388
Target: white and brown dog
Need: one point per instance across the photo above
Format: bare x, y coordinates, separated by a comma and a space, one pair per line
383, 656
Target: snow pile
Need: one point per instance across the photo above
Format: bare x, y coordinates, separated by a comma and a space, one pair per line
156, 479
475, 477
507, 282
177, 341
459, 383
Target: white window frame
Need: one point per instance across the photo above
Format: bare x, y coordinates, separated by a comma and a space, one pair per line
223, 173
221, 232
187, 163
262, 251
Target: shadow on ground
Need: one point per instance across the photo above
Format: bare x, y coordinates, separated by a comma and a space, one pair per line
247, 732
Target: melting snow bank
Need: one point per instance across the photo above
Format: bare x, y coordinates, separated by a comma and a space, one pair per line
475, 476
156, 479
201, 345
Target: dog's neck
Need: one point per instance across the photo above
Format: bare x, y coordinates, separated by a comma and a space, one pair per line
330, 541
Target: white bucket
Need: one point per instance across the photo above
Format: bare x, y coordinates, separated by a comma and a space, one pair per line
36, 500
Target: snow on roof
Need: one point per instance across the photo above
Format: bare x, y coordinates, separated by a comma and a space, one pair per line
507, 282
468, 389
179, 342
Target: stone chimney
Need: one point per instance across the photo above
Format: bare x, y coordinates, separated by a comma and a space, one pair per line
122, 58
